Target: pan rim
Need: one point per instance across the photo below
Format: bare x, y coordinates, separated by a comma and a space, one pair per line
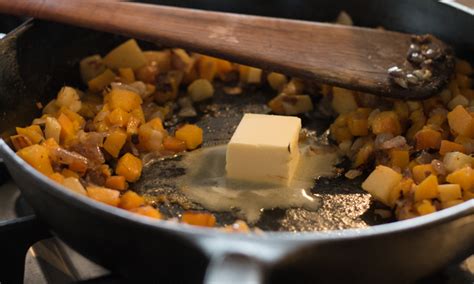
449, 214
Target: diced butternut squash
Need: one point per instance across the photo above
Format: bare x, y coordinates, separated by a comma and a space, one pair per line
463, 177
74, 185
148, 73
69, 173
448, 192
420, 172
223, 68
57, 177
104, 195
358, 124
130, 167
386, 122
364, 154
116, 182
191, 134
68, 131
448, 146
427, 189
460, 121
341, 134
101, 81
77, 121
123, 99
276, 81
118, 117
174, 144
207, 68
402, 188
128, 54
425, 207
276, 104
161, 57
148, 211
33, 132
450, 203
20, 141
399, 158
427, 138
254, 75
38, 157
131, 200
381, 182
91, 67
202, 219
296, 104
126, 75
78, 166
180, 60
114, 142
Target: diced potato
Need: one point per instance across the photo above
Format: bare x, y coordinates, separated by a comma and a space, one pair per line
191, 134
130, 167
386, 122
20, 141
147, 211
380, 182
69, 98
74, 185
118, 117
456, 160
131, 200
427, 189
128, 54
151, 135
180, 60
174, 144
101, 81
91, 67
52, 129
104, 195
38, 157
460, 121
116, 182
126, 75
451, 203
463, 177
51, 108
399, 158
207, 68
203, 219
123, 99
427, 138
343, 100
114, 142
276, 104
449, 192
162, 59
294, 87
200, 90
277, 81
421, 172
425, 207
297, 104
448, 146
148, 73
33, 132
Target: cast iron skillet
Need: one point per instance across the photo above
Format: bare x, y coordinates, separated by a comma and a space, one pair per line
39, 57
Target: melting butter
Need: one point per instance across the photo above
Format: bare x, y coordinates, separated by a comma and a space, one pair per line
206, 183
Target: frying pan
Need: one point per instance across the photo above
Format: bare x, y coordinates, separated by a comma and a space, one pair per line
39, 57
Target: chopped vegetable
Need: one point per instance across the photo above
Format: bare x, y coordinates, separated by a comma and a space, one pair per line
131, 200
191, 135
38, 157
104, 195
128, 54
199, 219
130, 167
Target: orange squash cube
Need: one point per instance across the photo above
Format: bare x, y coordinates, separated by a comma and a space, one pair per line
399, 158
448, 146
174, 144
57, 177
116, 182
460, 121
104, 195
427, 189
98, 83
130, 167
38, 157
148, 211
33, 132
191, 134
202, 219
358, 124
207, 67
126, 75
425, 207
124, 99
427, 138
118, 117
68, 131
69, 173
114, 142
420, 172
131, 200
20, 141
463, 177
386, 122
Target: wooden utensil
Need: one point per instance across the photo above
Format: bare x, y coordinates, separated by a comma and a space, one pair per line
350, 57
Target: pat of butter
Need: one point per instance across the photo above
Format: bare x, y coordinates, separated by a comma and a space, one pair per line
264, 148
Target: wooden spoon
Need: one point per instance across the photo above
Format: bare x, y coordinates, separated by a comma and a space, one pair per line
350, 57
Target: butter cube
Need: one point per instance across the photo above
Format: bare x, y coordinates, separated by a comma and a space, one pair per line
264, 148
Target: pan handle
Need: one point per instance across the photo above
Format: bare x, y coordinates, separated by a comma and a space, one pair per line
235, 268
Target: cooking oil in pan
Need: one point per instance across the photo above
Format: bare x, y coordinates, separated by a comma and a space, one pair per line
205, 183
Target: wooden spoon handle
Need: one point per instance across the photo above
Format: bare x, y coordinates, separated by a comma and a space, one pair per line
344, 56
